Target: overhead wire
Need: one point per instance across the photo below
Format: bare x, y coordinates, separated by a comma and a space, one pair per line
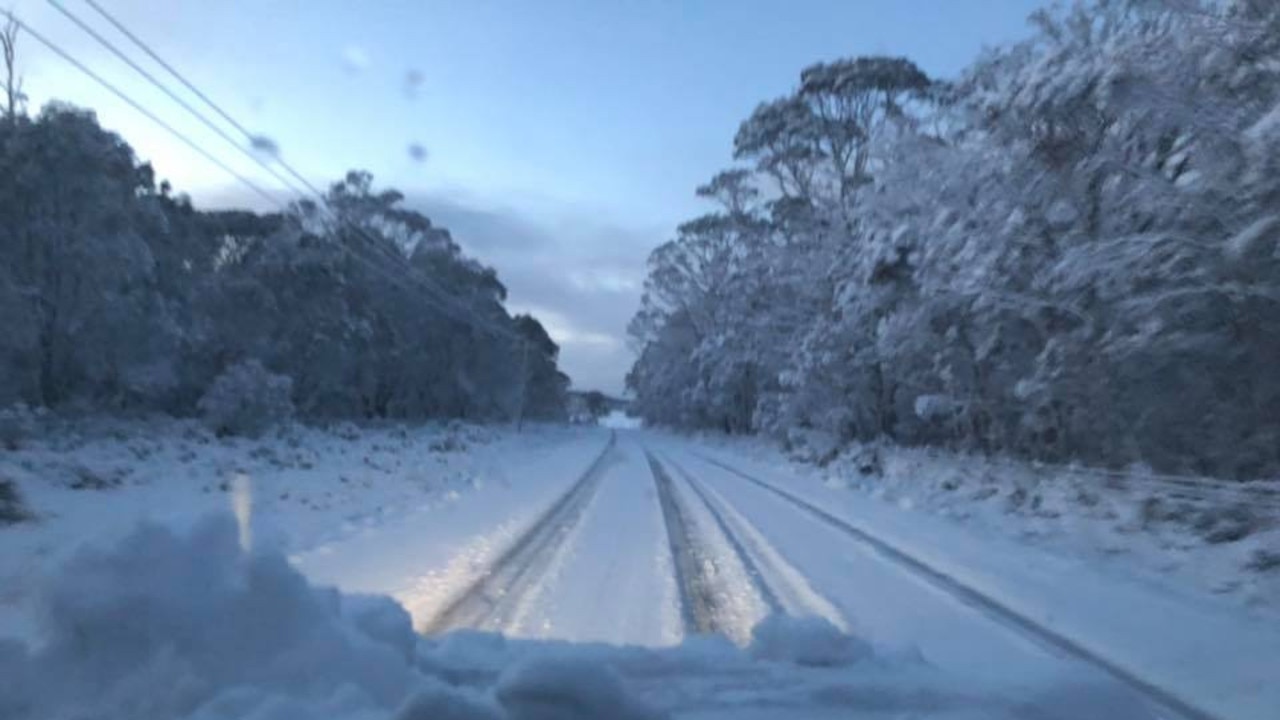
120, 54
124, 97
439, 297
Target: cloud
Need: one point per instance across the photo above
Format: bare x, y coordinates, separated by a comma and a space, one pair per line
355, 59
604, 280
579, 275
481, 229
564, 331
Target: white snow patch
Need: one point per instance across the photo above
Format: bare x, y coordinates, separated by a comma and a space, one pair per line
619, 420
809, 641
187, 626
568, 687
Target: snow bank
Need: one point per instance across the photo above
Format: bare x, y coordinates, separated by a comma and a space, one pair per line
188, 626
1216, 541
568, 688
808, 641
170, 625
312, 491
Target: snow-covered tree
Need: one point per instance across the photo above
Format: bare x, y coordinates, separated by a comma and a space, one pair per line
114, 294
1068, 252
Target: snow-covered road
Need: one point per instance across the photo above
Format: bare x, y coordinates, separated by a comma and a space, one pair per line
651, 538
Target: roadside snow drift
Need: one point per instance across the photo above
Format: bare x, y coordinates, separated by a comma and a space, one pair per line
168, 625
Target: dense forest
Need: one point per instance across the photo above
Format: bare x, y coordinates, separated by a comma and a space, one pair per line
1071, 252
117, 295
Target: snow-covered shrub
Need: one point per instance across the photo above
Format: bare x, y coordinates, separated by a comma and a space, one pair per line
246, 399
451, 441
346, 430
17, 423
1229, 523
89, 478
1263, 560
809, 445
12, 508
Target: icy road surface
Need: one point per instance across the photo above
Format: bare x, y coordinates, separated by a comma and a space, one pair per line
648, 539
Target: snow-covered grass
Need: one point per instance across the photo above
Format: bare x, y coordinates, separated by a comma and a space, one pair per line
1200, 535
1168, 629
1204, 536
306, 488
188, 625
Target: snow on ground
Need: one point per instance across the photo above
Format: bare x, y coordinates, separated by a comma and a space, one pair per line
171, 625
1179, 637
612, 582
1194, 535
889, 608
322, 495
153, 625
739, 605
619, 420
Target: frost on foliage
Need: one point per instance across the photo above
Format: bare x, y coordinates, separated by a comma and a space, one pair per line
12, 507
934, 407
1079, 223
117, 295
1255, 242
247, 399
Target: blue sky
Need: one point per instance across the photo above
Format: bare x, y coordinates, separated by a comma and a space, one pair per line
564, 138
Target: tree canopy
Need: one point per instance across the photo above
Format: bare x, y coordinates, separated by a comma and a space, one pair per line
1069, 252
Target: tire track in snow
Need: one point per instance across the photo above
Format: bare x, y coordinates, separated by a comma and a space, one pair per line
999, 612
767, 594
783, 588
494, 600
698, 601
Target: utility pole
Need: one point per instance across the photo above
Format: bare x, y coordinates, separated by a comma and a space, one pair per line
524, 383
13, 82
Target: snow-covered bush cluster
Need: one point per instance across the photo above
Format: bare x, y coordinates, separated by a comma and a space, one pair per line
117, 295
12, 507
1072, 251
17, 423
1217, 537
246, 399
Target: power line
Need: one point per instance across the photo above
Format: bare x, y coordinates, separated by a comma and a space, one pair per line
53, 47
171, 94
192, 87
437, 296
441, 294
440, 297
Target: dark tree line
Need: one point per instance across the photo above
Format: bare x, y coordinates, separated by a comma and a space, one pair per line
117, 295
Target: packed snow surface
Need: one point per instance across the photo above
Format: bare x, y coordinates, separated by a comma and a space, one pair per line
462, 572
189, 625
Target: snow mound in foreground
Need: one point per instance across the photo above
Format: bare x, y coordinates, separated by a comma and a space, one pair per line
170, 626
188, 626
806, 641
